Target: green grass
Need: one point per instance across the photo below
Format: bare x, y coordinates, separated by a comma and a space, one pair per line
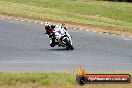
51, 78
48, 80
108, 15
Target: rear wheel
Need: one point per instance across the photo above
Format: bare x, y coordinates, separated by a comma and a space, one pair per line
68, 44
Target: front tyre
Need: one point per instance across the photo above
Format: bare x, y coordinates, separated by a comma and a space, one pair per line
69, 46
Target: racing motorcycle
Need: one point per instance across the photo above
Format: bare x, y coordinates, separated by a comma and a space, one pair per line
63, 39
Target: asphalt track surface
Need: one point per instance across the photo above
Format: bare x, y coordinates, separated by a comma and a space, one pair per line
24, 47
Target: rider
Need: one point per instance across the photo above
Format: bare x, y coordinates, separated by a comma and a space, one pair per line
54, 30
50, 31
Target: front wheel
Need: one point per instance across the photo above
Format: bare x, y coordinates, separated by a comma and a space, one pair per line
69, 46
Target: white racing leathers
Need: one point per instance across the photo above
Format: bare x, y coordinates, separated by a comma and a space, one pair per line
62, 37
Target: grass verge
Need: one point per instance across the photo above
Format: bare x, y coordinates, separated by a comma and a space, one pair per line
48, 80
85, 13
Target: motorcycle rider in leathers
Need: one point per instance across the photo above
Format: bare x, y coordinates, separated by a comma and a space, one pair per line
52, 31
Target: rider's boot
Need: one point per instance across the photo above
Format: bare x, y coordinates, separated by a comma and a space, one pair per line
52, 42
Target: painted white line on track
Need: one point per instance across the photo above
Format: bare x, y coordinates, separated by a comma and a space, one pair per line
94, 31
113, 34
41, 23
35, 22
87, 30
106, 33
122, 35
100, 32
74, 28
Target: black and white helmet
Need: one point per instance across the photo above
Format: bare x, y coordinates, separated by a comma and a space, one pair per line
47, 25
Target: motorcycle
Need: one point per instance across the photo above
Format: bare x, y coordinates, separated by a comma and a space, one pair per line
63, 39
